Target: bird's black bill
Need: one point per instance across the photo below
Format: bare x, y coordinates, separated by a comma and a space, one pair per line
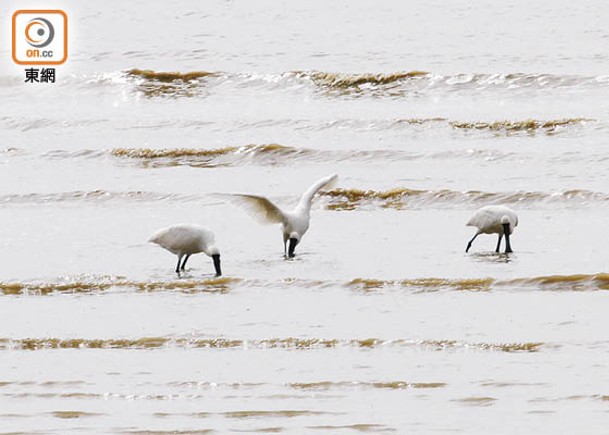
216, 259
506, 232
291, 246
469, 244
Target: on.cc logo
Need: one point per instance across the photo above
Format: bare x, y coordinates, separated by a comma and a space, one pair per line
40, 37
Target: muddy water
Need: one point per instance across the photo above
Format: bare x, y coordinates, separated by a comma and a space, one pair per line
381, 323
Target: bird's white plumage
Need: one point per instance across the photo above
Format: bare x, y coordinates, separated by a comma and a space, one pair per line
295, 223
489, 219
185, 239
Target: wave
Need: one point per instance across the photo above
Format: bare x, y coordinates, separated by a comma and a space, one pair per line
392, 385
576, 282
98, 195
289, 343
525, 127
167, 84
278, 154
358, 427
401, 83
421, 125
101, 284
317, 385
338, 199
169, 432
93, 284
394, 84
214, 157
435, 284
167, 77
263, 154
74, 414
476, 401
529, 125
342, 80
402, 197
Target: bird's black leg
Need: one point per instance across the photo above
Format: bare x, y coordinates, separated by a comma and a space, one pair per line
469, 245
178, 266
184, 263
506, 231
499, 243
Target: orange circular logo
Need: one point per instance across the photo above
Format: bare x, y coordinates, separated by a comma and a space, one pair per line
39, 32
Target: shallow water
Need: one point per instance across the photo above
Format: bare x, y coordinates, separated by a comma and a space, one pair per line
381, 323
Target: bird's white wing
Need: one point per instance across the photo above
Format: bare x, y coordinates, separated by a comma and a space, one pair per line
182, 237
261, 208
307, 197
482, 219
491, 215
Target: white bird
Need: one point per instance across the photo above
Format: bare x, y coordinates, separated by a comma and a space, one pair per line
494, 219
294, 223
184, 240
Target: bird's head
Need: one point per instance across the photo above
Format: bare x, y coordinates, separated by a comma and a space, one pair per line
214, 253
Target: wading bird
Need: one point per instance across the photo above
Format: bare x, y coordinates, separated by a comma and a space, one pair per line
294, 223
184, 240
494, 219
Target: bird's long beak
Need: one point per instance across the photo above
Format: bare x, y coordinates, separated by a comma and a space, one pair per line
292, 245
216, 259
506, 232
